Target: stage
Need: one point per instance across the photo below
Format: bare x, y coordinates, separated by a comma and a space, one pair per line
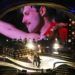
47, 62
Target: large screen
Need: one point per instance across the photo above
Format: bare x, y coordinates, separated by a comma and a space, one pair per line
50, 27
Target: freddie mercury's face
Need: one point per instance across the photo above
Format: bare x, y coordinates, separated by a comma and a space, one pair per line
31, 18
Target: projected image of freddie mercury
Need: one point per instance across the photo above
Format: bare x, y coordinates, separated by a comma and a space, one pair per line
40, 21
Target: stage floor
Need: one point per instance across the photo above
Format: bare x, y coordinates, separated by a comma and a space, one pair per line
46, 63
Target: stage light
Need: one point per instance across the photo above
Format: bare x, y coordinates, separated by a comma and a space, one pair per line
56, 46
73, 33
7, 40
73, 22
30, 44
55, 52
